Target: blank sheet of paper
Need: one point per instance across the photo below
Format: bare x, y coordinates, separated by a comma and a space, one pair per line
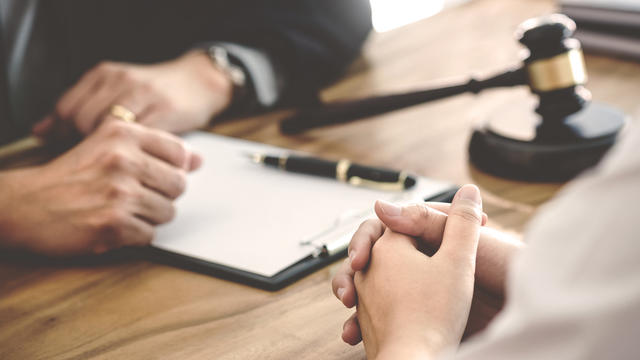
246, 216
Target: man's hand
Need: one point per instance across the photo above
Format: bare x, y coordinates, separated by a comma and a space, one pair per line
411, 305
107, 192
177, 96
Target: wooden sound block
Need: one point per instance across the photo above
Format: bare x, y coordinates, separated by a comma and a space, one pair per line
515, 143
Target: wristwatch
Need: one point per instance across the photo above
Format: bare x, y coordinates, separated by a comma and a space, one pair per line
221, 60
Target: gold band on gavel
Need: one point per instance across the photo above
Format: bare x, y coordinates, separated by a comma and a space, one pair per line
559, 72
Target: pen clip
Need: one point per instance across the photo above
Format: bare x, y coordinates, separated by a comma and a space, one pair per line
384, 186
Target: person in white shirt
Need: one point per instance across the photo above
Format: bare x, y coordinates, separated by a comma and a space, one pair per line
572, 292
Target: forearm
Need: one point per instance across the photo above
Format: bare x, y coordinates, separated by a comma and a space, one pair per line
495, 251
408, 351
410, 341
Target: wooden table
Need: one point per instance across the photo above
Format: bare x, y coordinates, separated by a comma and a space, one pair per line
134, 309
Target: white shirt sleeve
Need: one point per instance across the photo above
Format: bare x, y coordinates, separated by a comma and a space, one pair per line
575, 292
262, 71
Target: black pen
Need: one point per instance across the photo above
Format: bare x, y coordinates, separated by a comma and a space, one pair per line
342, 170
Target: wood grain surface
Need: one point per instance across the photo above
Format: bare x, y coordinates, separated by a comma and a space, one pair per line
126, 308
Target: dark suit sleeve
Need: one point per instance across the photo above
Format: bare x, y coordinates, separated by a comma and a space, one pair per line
309, 43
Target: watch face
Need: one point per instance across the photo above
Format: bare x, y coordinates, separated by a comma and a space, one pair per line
220, 58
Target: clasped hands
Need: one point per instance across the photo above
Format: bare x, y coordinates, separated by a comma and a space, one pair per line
412, 274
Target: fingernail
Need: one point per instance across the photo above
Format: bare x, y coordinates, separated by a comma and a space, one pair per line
340, 293
390, 209
470, 192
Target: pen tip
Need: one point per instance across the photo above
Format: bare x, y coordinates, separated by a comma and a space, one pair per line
254, 157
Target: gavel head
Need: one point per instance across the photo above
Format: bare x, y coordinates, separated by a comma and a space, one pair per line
555, 66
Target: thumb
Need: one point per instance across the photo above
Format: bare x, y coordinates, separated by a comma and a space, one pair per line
462, 230
417, 220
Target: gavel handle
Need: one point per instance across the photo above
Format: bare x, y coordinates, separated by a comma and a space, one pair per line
345, 111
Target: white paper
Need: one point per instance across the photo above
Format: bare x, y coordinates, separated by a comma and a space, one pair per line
254, 218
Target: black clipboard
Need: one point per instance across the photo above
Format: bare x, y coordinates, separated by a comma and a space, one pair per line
280, 280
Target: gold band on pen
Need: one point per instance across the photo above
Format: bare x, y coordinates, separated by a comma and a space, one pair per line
342, 168
384, 186
402, 177
559, 72
282, 162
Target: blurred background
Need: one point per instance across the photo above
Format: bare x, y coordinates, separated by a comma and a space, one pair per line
392, 14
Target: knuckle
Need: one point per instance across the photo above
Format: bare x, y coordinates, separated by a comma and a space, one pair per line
125, 76
419, 213
116, 160
83, 123
363, 225
179, 184
358, 280
335, 283
173, 185
105, 66
102, 245
110, 224
368, 232
467, 213
169, 213
118, 191
63, 110
146, 88
363, 231
369, 225
148, 236
166, 105
117, 129
143, 237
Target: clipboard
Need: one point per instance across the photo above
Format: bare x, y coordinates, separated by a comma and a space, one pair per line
220, 243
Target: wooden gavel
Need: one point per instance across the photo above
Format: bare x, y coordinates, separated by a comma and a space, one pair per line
553, 69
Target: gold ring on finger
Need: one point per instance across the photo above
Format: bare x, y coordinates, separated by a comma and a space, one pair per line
123, 113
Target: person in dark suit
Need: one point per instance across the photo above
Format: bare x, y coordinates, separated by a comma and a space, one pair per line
75, 69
